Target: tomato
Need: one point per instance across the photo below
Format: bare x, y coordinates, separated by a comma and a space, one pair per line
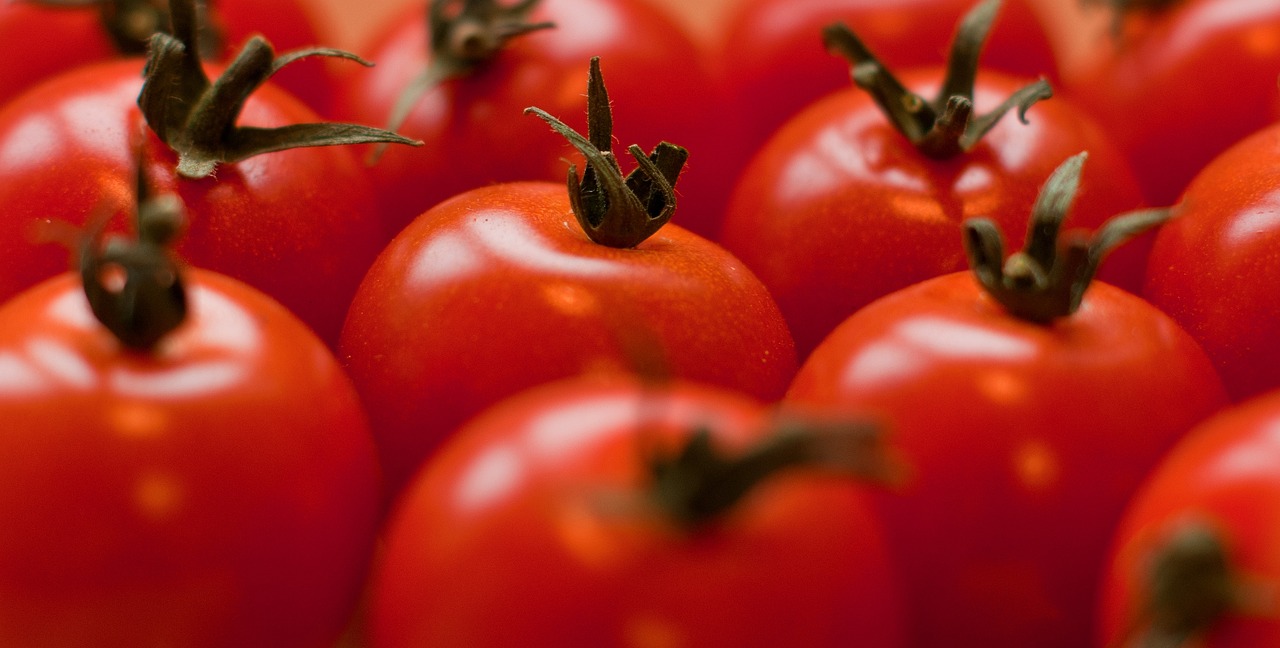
840, 208
1195, 559
1025, 433
44, 39
472, 124
1164, 86
1212, 266
300, 225
772, 62
216, 487
498, 289
546, 523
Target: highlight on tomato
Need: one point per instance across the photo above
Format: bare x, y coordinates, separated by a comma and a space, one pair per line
510, 285
864, 192
1027, 401
300, 224
619, 512
182, 462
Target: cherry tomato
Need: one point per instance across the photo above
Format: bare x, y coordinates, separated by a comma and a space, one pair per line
1028, 405
220, 490
42, 41
472, 122
546, 522
1211, 268
300, 225
1183, 81
1195, 559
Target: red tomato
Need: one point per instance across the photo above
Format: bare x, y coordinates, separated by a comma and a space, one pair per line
300, 225
1162, 92
773, 64
1196, 558
498, 289
221, 490
473, 126
839, 208
1212, 267
1025, 437
45, 40
541, 524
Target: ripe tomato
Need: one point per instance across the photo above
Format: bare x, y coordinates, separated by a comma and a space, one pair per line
548, 522
218, 489
839, 208
472, 122
44, 38
772, 62
1163, 88
1025, 434
1211, 268
300, 225
1195, 560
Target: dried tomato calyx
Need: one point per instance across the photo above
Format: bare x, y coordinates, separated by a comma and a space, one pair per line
700, 482
135, 288
130, 23
946, 126
614, 210
196, 118
1047, 279
1190, 586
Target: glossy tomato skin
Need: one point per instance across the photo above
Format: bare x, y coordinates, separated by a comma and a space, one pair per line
45, 41
220, 491
498, 289
772, 62
1221, 477
1212, 267
530, 528
475, 131
839, 209
1024, 442
300, 225
1181, 87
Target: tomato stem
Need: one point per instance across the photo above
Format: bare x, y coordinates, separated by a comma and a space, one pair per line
616, 211
130, 23
463, 35
945, 127
197, 118
1190, 587
700, 483
1047, 279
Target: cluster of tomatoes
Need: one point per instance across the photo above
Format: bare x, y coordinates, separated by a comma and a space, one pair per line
952, 340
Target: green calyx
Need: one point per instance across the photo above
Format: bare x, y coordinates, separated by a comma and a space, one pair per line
463, 35
135, 288
614, 210
1047, 279
131, 23
196, 117
700, 482
946, 126
1190, 587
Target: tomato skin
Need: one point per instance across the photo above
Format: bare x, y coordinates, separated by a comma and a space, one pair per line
1212, 267
1198, 77
300, 225
475, 131
222, 491
1222, 475
45, 41
839, 209
498, 289
529, 529
1023, 443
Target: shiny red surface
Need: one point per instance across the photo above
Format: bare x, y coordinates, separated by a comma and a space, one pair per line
219, 491
839, 209
532, 528
1024, 443
498, 290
